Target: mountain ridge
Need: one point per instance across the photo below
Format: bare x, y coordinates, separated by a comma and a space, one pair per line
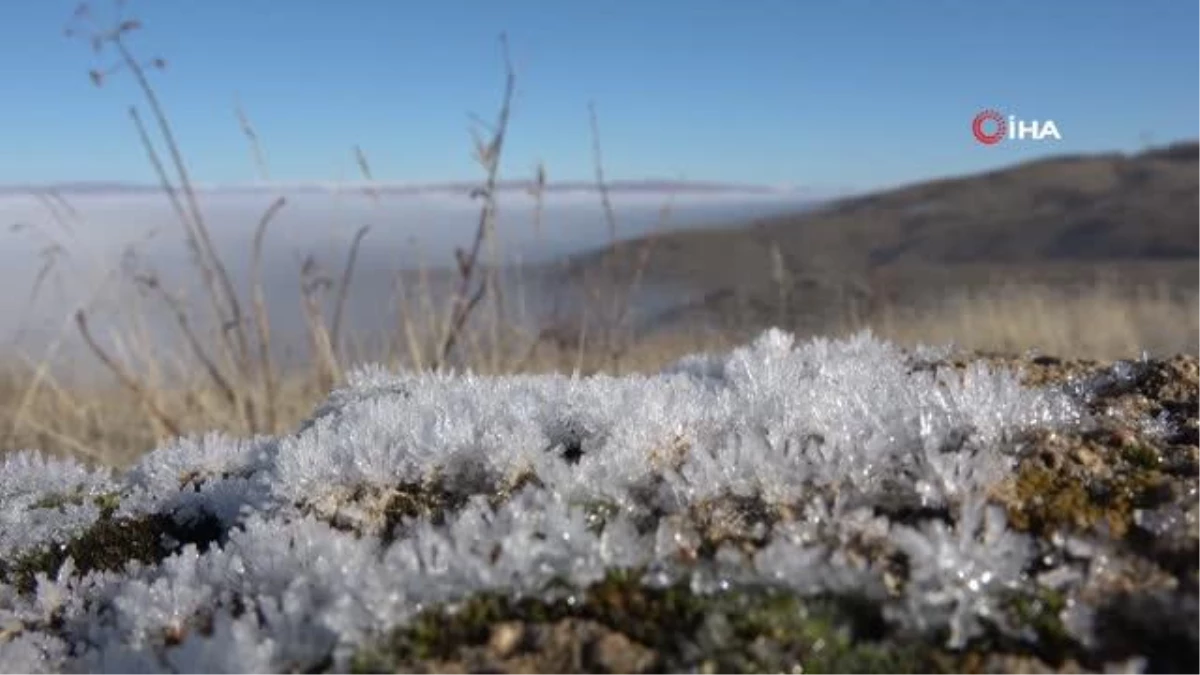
1062, 221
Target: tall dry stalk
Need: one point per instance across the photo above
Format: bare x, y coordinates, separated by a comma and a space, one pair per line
180, 190
621, 289
262, 322
781, 277
470, 290
224, 299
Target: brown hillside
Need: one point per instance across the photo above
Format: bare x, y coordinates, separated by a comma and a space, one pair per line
1062, 221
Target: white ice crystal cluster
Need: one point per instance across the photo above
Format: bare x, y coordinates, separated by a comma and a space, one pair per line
297, 572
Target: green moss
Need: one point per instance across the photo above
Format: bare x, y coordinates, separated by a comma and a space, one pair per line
57, 500
1141, 456
743, 631
598, 513
108, 501
1039, 610
822, 635
109, 545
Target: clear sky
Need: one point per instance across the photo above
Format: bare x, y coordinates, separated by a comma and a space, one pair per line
853, 93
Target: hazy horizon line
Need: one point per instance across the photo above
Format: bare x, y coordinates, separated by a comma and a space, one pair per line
421, 187
467, 187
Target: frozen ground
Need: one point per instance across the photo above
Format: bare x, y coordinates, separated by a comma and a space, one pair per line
828, 505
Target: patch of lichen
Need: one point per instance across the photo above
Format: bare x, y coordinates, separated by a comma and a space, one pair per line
429, 499
511, 486
108, 545
744, 522
435, 499
1141, 455
752, 630
385, 510
1049, 500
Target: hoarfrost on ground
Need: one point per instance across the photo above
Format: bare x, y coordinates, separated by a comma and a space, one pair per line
850, 432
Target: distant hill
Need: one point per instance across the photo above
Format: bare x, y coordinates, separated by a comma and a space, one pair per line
1060, 218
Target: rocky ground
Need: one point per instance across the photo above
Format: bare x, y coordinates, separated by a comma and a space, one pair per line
1121, 496
1111, 506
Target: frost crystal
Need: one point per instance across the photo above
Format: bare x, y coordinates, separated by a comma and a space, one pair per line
957, 572
407, 490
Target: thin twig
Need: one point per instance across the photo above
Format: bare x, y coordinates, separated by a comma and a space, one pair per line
488, 156
190, 236
344, 286
212, 259
262, 320
260, 158
126, 378
176, 306
610, 216
312, 283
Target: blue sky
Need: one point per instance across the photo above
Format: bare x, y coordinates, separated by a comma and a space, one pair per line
856, 93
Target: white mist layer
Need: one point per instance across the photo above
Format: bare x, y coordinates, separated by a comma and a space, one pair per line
82, 243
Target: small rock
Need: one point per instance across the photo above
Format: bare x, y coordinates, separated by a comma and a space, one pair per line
1087, 458
615, 653
505, 638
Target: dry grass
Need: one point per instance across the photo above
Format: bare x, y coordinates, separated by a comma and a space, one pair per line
110, 425
1102, 321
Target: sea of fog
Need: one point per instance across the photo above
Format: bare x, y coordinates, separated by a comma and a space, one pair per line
60, 255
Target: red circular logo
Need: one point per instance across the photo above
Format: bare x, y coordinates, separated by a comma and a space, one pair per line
996, 135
